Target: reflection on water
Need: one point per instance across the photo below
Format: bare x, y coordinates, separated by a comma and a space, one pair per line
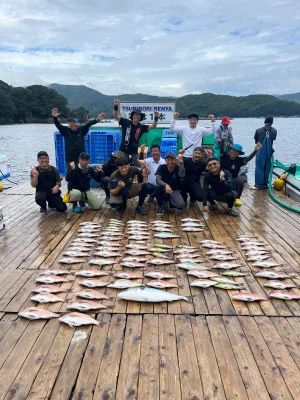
21, 143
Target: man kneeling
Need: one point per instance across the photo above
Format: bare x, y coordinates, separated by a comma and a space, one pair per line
79, 178
121, 184
47, 181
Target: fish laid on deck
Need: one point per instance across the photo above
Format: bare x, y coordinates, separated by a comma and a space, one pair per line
124, 284
279, 284
160, 284
74, 319
90, 273
202, 273
127, 275
101, 262
84, 305
92, 283
225, 265
48, 289
203, 283
248, 297
272, 275
46, 298
33, 313
284, 295
55, 271
91, 294
51, 279
159, 275
151, 295
70, 260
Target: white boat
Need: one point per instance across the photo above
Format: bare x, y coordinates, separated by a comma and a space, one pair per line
291, 177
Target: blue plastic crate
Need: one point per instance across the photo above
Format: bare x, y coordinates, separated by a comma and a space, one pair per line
102, 144
168, 142
167, 133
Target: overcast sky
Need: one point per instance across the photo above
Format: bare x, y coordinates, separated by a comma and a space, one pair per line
164, 47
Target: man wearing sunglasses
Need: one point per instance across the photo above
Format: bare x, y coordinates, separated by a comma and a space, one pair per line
221, 187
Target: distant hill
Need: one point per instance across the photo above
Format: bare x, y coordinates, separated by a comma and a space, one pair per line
203, 104
290, 97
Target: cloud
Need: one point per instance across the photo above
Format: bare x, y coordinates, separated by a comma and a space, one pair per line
168, 48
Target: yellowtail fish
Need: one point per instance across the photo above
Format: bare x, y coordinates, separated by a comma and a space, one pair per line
150, 295
160, 261
272, 275
75, 253
159, 250
163, 246
189, 266
127, 275
258, 258
48, 289
200, 273
265, 264
70, 260
159, 275
223, 279
185, 246
225, 265
248, 297
124, 284
234, 273
131, 264
84, 305
33, 313
92, 283
91, 294
51, 279
166, 235
160, 284
284, 295
55, 271
74, 319
101, 262
90, 273
279, 284
160, 255
107, 254
116, 221
203, 283
46, 298
228, 286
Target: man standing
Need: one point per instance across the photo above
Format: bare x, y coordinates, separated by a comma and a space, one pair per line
222, 188
121, 184
132, 130
265, 135
228, 142
152, 164
192, 134
47, 181
168, 183
79, 178
233, 163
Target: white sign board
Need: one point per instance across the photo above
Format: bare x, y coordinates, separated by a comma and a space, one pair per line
166, 111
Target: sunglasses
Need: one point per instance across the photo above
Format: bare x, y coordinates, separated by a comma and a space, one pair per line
212, 164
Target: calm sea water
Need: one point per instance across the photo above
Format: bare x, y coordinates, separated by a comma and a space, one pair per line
21, 143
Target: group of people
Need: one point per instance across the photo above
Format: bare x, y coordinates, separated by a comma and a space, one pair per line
170, 180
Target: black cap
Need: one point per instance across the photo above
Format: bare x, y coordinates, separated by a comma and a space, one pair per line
170, 154
84, 155
42, 153
269, 120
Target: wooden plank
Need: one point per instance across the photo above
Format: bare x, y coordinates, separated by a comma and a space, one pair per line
295, 324
168, 363
268, 368
190, 382
148, 384
109, 369
91, 363
130, 361
283, 359
231, 378
208, 366
250, 374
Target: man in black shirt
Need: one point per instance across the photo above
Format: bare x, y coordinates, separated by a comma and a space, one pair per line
168, 183
132, 130
222, 187
108, 168
232, 162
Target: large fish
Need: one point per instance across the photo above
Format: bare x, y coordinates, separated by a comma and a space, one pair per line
203, 274
166, 235
258, 257
48, 289
222, 257
93, 283
91, 294
189, 266
77, 319
248, 297
160, 284
75, 253
124, 284
225, 265
159, 275
84, 305
279, 284
55, 271
33, 313
107, 254
70, 260
90, 273
265, 264
150, 295
46, 298
101, 262
284, 295
203, 283
160, 261
127, 275
48, 279
272, 275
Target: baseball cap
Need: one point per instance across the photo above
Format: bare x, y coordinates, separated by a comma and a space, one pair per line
226, 120
42, 153
170, 154
73, 119
238, 147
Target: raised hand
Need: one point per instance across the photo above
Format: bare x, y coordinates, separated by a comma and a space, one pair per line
117, 102
55, 112
98, 168
211, 117
72, 164
176, 115
100, 116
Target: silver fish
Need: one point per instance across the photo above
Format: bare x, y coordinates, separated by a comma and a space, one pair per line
75, 254
88, 235
206, 241
192, 224
203, 274
106, 238
150, 295
84, 305
127, 275
226, 265
101, 262
89, 223
77, 319
186, 251
109, 233
190, 220
131, 264
213, 246
55, 271
89, 230
80, 248
166, 235
256, 252
258, 258
70, 260
192, 229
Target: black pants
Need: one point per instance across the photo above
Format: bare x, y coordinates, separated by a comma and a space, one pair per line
104, 185
54, 200
194, 189
175, 199
239, 186
147, 188
228, 198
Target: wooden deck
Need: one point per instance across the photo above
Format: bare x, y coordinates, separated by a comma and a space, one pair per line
216, 348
